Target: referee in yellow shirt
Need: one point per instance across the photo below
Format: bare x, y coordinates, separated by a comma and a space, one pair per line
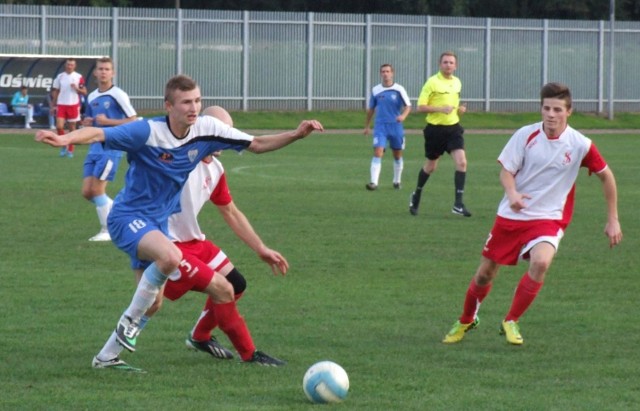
440, 99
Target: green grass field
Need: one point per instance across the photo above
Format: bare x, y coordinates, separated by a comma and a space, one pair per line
370, 287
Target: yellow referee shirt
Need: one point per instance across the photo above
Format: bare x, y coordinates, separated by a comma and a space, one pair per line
441, 91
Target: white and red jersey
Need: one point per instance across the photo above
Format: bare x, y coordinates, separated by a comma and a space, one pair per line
68, 96
206, 182
546, 169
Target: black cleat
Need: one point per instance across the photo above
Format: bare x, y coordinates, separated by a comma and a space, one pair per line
371, 186
212, 347
414, 202
461, 210
261, 358
396, 186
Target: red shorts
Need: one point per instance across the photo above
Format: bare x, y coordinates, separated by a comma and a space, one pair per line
70, 113
511, 239
205, 255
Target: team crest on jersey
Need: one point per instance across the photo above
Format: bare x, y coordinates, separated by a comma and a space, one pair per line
567, 158
192, 154
107, 104
166, 157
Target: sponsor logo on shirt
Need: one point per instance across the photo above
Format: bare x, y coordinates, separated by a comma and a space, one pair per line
166, 157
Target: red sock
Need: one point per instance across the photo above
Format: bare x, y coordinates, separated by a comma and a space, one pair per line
526, 292
232, 323
60, 131
70, 148
206, 323
475, 295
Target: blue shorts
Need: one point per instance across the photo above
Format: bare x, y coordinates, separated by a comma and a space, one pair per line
391, 132
101, 166
127, 231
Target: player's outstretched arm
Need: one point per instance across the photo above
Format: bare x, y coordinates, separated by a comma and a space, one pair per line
244, 230
85, 135
263, 144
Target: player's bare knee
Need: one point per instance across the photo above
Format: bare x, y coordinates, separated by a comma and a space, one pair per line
169, 261
486, 272
538, 268
220, 290
87, 194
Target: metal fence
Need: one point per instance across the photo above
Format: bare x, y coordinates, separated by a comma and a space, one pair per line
302, 61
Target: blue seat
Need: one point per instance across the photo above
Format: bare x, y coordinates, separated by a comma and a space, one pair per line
4, 110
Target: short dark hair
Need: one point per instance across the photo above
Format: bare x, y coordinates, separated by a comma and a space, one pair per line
105, 59
387, 65
448, 53
179, 82
556, 90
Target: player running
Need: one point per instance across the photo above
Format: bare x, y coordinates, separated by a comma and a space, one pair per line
540, 164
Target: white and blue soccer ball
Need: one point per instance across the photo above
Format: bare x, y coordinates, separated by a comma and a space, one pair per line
325, 382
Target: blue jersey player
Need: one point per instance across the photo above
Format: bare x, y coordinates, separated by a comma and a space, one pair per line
161, 154
391, 105
106, 106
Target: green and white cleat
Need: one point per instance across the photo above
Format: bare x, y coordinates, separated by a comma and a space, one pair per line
115, 364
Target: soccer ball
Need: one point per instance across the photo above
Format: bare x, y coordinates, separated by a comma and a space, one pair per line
325, 382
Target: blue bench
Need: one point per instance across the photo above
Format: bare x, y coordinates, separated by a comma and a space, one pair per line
10, 120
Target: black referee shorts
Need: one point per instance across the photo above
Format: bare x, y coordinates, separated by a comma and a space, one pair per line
441, 139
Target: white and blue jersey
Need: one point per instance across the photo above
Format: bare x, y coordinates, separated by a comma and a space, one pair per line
159, 165
388, 103
114, 104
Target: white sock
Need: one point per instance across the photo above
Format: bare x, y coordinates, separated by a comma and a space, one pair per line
111, 349
376, 165
398, 166
103, 213
148, 289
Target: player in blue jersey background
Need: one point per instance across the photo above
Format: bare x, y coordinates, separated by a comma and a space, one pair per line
161, 154
391, 105
106, 106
